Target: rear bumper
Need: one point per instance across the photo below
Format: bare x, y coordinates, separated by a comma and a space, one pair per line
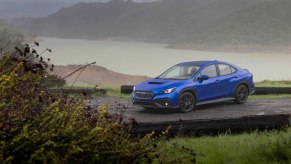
252, 88
252, 92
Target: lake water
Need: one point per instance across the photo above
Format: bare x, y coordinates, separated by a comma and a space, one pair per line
137, 58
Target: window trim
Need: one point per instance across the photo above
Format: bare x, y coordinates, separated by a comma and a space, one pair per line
235, 70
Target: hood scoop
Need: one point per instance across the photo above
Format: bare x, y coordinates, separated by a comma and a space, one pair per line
156, 83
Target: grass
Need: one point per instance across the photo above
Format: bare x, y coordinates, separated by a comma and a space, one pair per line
269, 83
271, 96
79, 87
255, 147
114, 91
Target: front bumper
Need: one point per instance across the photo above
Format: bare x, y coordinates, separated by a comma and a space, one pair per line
158, 103
157, 100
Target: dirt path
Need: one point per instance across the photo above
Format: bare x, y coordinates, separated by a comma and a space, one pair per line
213, 111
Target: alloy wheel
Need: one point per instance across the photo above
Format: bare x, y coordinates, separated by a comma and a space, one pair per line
187, 102
242, 94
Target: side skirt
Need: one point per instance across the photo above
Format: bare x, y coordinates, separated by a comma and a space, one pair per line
216, 100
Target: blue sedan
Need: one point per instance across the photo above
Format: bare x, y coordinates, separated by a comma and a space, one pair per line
188, 84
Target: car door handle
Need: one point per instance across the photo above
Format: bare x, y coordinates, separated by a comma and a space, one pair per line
235, 77
217, 81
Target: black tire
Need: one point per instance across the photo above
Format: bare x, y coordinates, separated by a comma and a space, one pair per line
241, 94
187, 102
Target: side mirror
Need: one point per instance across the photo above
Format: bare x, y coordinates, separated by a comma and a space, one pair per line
202, 78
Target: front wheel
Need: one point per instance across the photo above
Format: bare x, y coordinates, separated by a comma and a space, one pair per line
241, 94
187, 102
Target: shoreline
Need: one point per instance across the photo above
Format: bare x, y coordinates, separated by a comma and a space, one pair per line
151, 59
228, 48
258, 49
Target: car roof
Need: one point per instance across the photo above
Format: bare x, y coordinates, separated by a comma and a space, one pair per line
199, 63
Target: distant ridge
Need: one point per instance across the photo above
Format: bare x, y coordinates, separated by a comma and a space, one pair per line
97, 75
202, 23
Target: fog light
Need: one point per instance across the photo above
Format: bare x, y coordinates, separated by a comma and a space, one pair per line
163, 102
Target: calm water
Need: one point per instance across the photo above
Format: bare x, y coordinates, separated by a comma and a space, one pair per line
152, 59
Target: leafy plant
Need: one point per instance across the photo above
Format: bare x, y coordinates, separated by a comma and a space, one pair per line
39, 126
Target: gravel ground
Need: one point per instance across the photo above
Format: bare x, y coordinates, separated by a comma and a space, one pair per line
205, 112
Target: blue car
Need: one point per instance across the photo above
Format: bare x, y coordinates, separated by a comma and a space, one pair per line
188, 84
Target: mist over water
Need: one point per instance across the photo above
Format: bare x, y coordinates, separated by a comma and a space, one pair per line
138, 58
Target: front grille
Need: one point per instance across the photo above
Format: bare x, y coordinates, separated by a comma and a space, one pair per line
143, 103
143, 94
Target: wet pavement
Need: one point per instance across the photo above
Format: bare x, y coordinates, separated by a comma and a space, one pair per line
216, 111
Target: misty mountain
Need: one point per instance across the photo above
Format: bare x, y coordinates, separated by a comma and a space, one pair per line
9, 38
97, 75
37, 8
201, 22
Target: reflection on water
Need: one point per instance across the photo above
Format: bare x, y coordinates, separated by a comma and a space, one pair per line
152, 59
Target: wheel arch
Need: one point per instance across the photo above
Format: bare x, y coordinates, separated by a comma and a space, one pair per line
188, 89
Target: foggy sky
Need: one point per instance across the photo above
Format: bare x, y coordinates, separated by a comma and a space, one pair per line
38, 8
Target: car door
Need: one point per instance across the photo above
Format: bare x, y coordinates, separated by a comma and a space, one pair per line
207, 90
227, 79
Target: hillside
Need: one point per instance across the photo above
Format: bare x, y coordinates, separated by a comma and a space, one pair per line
203, 23
96, 75
9, 37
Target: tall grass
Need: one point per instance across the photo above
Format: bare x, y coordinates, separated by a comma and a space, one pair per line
255, 147
270, 83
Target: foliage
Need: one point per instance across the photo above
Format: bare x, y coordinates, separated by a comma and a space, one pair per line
39, 126
255, 147
176, 153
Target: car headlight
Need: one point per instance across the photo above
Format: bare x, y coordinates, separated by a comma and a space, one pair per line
134, 88
171, 90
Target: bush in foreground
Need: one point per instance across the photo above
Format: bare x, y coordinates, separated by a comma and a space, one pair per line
39, 126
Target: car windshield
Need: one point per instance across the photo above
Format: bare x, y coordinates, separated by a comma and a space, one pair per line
179, 72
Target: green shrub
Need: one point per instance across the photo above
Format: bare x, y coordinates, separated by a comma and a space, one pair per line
37, 126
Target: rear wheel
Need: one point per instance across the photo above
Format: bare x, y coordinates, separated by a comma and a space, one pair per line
241, 94
187, 102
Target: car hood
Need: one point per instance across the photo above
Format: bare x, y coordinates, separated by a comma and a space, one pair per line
158, 84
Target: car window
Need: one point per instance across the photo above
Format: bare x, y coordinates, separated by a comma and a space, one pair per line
180, 72
210, 71
173, 73
224, 69
233, 70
